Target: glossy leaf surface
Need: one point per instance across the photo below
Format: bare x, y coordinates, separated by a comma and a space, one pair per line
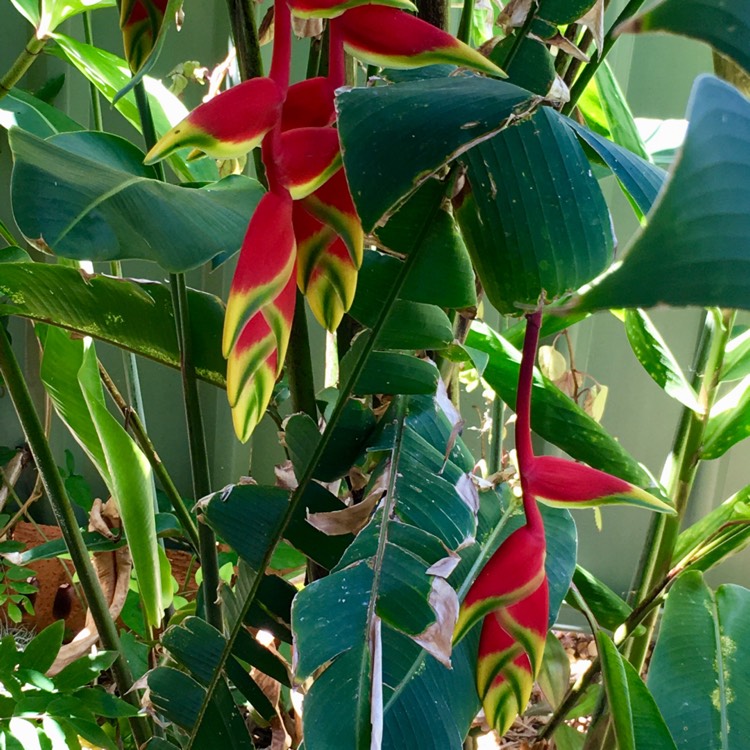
692, 251
429, 123
536, 168
136, 316
109, 209
702, 699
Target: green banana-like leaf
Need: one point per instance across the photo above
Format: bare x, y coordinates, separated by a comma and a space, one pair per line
86, 196
616, 689
136, 316
22, 110
723, 25
692, 250
729, 422
702, 699
70, 374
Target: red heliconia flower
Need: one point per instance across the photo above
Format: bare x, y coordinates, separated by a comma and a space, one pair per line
391, 38
309, 157
332, 204
227, 126
259, 311
334, 8
140, 21
511, 574
309, 104
511, 648
326, 274
559, 481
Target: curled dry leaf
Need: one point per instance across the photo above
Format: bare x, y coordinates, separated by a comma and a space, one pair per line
552, 363
437, 638
113, 571
559, 91
305, 28
468, 492
285, 477
353, 519
594, 22
444, 567
514, 14
565, 45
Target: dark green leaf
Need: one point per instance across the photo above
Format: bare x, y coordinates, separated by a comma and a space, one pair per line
137, 316
563, 11
723, 25
87, 209
657, 360
177, 695
410, 130
442, 274
692, 251
532, 67
616, 688
554, 676
101, 703
236, 509
535, 220
640, 179
698, 673
22, 110
83, 670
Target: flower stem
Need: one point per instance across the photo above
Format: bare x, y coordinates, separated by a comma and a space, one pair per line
63, 510
298, 364
196, 434
21, 64
96, 103
464, 25
245, 34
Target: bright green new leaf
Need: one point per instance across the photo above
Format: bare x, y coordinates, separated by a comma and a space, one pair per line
70, 374
616, 688
86, 196
110, 73
29, 9
703, 700
657, 360
693, 251
736, 363
54, 12
729, 422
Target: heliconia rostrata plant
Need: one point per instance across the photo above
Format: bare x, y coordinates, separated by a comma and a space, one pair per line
389, 591
305, 233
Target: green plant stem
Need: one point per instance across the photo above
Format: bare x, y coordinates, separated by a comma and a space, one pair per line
21, 64
717, 328
198, 454
245, 34
464, 25
53, 484
521, 34
299, 368
196, 434
368, 344
590, 70
5, 233
96, 103
138, 429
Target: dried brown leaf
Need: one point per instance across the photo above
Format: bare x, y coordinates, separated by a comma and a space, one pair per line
594, 22
305, 28
565, 45
437, 638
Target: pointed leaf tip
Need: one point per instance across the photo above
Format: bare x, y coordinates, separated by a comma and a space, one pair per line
388, 37
227, 126
560, 481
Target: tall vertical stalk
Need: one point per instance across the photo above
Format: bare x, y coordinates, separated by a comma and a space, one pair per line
61, 505
21, 64
96, 103
196, 434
